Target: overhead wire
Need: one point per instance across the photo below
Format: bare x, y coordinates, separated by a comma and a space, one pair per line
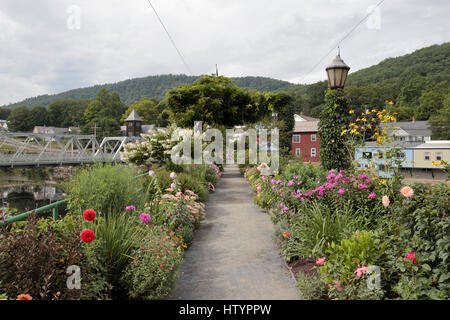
170, 38
342, 39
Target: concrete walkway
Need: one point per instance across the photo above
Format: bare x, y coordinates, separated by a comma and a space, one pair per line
233, 255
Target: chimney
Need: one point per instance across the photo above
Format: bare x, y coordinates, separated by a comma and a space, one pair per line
413, 119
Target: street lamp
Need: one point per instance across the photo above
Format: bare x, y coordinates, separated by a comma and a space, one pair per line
337, 73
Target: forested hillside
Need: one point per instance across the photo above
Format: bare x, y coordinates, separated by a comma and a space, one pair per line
149, 87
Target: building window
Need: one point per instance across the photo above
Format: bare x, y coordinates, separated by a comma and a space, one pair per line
296, 138
313, 152
297, 151
367, 155
427, 155
400, 155
313, 137
438, 156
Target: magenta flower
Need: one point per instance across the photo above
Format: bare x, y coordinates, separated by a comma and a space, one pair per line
320, 261
130, 208
341, 191
144, 217
360, 271
362, 186
372, 195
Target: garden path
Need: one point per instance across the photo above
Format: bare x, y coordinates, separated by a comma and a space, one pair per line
233, 255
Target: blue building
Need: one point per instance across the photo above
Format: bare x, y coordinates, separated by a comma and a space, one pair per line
372, 156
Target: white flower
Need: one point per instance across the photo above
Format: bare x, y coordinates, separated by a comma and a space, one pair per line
151, 173
173, 175
173, 185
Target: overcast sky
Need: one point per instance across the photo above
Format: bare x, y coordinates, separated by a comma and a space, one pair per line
42, 50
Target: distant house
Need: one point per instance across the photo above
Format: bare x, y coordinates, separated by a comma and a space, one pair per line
415, 157
409, 131
305, 138
4, 124
74, 130
50, 130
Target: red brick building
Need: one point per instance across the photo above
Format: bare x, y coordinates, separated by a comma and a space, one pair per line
305, 138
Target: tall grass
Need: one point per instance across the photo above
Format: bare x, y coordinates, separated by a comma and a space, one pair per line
104, 188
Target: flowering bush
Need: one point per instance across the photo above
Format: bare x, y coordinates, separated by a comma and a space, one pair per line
154, 265
402, 229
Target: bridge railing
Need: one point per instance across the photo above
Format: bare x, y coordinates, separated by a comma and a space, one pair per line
52, 206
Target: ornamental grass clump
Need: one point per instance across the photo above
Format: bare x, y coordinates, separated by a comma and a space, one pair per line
107, 188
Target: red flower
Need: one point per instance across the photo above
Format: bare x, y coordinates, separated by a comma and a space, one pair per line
87, 235
89, 215
286, 234
24, 297
411, 256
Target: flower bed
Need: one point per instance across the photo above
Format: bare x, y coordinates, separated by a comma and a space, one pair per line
128, 246
371, 238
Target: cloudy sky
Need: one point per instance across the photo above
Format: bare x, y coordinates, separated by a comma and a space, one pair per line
44, 48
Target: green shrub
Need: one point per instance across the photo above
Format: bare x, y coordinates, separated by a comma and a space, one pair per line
310, 287
190, 182
154, 268
116, 237
317, 226
363, 249
308, 174
105, 188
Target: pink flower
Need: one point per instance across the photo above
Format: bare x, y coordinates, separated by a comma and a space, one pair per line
338, 284
407, 192
341, 191
411, 256
130, 208
385, 201
258, 188
372, 195
362, 186
360, 271
144, 217
320, 261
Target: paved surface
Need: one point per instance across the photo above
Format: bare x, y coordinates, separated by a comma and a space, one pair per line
233, 255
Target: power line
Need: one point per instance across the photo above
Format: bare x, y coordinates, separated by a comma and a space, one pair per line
170, 38
340, 41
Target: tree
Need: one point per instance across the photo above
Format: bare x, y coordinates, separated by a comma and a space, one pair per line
334, 153
440, 122
213, 100
431, 101
39, 116
4, 113
20, 119
104, 113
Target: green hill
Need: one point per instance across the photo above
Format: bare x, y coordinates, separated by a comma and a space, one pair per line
149, 87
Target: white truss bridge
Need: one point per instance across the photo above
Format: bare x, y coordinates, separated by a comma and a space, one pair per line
29, 149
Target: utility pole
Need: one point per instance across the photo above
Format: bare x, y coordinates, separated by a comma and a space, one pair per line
95, 129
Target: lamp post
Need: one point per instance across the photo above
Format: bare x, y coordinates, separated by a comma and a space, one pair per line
337, 72
334, 150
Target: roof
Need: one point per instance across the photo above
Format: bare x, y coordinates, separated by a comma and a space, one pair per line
133, 116
435, 144
396, 144
305, 124
416, 128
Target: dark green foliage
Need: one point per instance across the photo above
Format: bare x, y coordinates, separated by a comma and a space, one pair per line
20, 119
194, 184
105, 112
334, 153
213, 100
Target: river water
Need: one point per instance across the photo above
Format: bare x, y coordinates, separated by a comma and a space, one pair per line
22, 191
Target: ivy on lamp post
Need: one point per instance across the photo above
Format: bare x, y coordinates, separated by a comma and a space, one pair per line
334, 153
